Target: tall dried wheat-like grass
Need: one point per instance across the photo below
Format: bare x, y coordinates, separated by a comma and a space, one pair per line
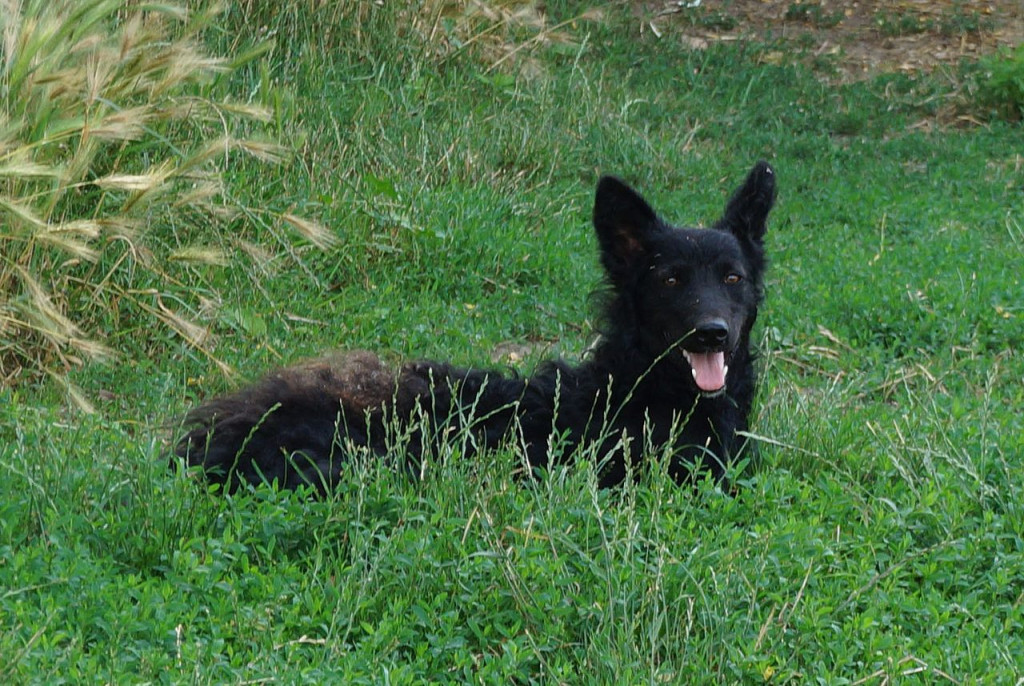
108, 135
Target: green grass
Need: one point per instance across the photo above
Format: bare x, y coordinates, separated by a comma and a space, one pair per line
880, 538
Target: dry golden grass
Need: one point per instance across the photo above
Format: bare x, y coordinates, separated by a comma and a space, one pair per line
105, 141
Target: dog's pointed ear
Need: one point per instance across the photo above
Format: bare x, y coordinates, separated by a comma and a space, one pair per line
746, 213
624, 223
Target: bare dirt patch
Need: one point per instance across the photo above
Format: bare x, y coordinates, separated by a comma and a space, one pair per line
849, 40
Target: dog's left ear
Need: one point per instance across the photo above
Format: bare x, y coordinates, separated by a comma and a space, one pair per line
747, 212
624, 223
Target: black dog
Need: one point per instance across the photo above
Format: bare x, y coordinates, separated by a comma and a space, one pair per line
671, 373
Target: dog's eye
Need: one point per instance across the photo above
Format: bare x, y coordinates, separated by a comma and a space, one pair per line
733, 279
670, 281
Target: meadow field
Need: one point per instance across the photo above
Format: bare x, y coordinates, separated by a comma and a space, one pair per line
440, 169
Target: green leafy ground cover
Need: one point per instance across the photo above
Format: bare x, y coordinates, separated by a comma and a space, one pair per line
879, 539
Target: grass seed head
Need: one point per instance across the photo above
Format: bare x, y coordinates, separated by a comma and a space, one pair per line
110, 134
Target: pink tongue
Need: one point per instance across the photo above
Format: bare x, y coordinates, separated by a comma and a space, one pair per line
709, 370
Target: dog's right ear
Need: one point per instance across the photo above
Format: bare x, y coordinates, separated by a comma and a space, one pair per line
624, 223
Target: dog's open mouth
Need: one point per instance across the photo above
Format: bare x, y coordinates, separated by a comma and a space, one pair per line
709, 370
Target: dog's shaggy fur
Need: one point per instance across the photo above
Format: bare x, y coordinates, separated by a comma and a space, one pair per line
671, 372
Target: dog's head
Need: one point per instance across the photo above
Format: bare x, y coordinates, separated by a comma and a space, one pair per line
692, 293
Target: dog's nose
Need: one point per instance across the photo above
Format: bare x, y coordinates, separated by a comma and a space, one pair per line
712, 334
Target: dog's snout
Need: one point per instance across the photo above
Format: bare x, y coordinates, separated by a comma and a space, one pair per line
713, 333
